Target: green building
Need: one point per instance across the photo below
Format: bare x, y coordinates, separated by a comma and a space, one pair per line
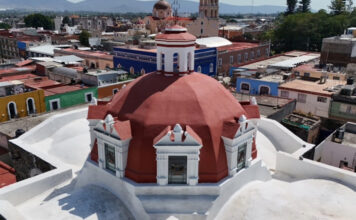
66, 96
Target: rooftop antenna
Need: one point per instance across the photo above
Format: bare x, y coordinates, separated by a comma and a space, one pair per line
176, 7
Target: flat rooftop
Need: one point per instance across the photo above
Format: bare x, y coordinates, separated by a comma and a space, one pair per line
60, 89
278, 78
326, 89
267, 104
9, 127
266, 62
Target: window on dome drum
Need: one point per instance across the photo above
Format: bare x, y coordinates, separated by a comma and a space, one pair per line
110, 157
302, 98
245, 87
177, 170
231, 60
264, 90
241, 157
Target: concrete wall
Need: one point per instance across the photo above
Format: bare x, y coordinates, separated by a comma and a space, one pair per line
284, 111
21, 104
20, 192
312, 105
255, 85
337, 113
71, 98
332, 153
282, 138
308, 169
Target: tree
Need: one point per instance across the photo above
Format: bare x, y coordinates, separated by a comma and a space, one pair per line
39, 20
4, 26
304, 6
66, 20
291, 5
338, 6
350, 6
84, 38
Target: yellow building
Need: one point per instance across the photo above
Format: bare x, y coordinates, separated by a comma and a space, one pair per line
310, 71
22, 105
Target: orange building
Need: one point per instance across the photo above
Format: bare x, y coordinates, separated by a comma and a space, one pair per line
110, 90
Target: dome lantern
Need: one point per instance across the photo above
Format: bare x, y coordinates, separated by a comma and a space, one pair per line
175, 51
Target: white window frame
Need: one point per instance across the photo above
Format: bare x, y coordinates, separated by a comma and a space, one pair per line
285, 94
54, 100
259, 89
299, 99
34, 105
199, 69
211, 68
244, 135
86, 98
105, 134
245, 91
189, 148
8, 109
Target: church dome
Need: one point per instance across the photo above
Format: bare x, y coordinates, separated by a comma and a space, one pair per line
162, 5
154, 101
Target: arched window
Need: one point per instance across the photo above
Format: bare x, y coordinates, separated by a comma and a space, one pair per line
143, 71
176, 63
211, 68
264, 90
12, 111
92, 66
199, 70
31, 109
132, 70
245, 88
190, 62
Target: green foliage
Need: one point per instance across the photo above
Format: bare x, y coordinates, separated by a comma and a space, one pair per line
39, 20
304, 6
305, 31
4, 26
66, 20
84, 38
291, 6
338, 6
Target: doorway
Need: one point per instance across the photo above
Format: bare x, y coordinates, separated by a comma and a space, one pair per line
177, 170
30, 106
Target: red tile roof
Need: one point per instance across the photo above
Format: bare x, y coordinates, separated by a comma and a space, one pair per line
81, 53
40, 82
60, 89
17, 70
17, 77
24, 63
238, 46
7, 175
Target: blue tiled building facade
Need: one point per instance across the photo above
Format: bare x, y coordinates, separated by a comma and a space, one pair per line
140, 62
256, 87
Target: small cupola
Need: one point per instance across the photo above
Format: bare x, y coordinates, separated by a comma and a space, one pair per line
175, 51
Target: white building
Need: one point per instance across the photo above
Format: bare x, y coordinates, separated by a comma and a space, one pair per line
312, 97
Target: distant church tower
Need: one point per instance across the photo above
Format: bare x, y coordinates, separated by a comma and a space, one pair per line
209, 8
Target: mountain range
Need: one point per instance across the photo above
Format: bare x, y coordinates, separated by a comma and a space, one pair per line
122, 6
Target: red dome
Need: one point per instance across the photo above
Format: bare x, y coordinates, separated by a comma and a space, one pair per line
153, 102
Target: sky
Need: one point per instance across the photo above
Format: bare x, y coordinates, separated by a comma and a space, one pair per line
315, 4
